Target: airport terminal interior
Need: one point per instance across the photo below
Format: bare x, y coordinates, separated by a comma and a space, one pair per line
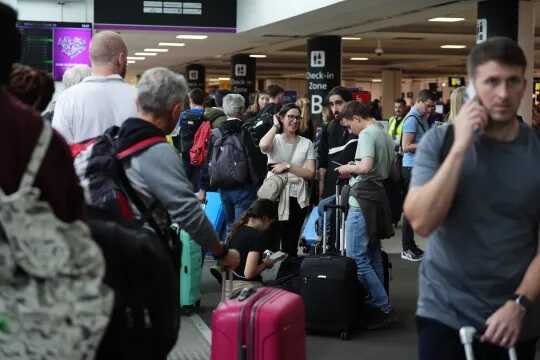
383, 53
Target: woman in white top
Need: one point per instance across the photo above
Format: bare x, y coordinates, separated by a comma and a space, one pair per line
293, 156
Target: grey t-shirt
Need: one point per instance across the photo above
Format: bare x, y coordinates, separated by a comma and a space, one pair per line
375, 143
478, 257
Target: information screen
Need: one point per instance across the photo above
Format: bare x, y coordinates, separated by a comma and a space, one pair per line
196, 13
54, 47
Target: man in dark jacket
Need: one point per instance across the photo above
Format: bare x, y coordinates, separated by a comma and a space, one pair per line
239, 190
184, 133
337, 147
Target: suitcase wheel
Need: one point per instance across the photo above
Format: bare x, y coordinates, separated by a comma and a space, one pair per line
344, 335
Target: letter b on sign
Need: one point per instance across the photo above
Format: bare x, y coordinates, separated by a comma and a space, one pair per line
316, 104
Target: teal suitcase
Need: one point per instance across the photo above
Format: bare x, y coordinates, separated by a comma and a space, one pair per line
190, 273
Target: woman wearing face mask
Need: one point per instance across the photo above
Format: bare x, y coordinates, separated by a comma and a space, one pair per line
293, 156
247, 237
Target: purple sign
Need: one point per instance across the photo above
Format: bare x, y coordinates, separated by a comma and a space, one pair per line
70, 47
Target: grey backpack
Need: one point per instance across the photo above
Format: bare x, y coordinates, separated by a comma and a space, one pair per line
228, 167
53, 304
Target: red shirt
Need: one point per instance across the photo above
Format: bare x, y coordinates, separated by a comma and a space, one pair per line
20, 128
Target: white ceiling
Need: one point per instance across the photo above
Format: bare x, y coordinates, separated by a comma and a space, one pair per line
409, 41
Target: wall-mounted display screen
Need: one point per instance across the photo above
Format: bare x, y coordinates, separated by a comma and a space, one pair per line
218, 16
55, 46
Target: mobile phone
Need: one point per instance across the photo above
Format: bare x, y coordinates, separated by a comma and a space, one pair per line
477, 100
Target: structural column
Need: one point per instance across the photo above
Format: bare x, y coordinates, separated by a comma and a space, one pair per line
391, 80
243, 75
196, 76
324, 72
514, 19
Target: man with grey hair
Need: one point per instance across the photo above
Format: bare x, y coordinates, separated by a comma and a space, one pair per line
100, 101
156, 172
229, 167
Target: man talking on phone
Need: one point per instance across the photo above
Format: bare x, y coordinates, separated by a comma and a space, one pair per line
476, 194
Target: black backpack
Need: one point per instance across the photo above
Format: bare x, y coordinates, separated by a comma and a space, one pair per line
140, 263
145, 320
188, 126
259, 125
229, 165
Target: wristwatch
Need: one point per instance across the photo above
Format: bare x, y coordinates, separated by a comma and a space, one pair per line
288, 166
223, 254
522, 301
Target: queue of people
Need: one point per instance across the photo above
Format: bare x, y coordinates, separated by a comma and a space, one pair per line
482, 264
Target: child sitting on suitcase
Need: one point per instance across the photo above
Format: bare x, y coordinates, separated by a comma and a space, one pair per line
247, 237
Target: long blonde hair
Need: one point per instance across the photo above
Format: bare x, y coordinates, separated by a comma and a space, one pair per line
457, 99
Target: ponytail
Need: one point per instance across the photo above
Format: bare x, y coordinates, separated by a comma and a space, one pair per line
243, 220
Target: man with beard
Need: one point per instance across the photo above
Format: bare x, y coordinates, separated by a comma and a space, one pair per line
337, 147
101, 100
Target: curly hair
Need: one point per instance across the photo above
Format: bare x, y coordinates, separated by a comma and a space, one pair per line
33, 87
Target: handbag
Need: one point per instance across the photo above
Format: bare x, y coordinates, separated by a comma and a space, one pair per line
274, 184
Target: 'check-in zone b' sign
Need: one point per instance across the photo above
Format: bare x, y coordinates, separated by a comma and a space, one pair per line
319, 79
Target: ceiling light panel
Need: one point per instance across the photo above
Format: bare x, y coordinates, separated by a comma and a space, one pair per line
447, 19
453, 46
257, 56
156, 50
135, 58
192, 37
350, 38
145, 54
359, 58
173, 44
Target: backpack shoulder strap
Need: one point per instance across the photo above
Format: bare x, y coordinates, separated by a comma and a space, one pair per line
447, 143
36, 159
128, 189
141, 145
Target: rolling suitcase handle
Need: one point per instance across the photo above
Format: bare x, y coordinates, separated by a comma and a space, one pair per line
340, 225
467, 333
227, 287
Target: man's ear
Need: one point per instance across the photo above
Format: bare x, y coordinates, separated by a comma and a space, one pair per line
177, 110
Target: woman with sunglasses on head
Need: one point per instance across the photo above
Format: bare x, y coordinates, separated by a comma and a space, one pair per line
292, 156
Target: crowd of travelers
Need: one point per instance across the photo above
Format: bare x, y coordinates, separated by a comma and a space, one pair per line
98, 163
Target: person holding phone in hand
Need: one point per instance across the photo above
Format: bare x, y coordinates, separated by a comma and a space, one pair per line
476, 195
293, 156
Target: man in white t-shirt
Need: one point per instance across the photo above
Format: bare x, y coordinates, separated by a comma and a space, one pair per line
100, 101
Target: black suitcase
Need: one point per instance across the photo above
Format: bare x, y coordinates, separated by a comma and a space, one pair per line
331, 293
330, 288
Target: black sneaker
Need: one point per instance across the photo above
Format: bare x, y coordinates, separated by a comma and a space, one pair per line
413, 255
381, 320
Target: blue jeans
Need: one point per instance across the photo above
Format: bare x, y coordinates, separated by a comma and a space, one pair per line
235, 202
330, 227
367, 255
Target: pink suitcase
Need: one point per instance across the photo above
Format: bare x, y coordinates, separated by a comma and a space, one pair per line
267, 325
